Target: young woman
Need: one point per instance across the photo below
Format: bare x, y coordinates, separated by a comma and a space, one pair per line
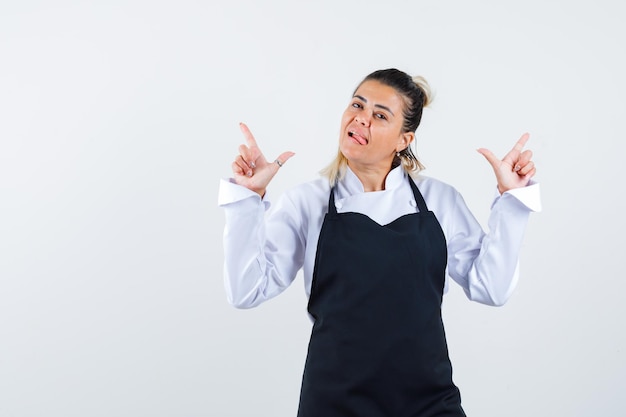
375, 241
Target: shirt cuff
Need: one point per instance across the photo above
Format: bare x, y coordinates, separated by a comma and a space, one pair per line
529, 196
231, 192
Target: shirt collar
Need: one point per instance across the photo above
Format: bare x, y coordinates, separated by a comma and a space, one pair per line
351, 184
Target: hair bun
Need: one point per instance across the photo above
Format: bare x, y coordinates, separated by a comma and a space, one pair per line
425, 87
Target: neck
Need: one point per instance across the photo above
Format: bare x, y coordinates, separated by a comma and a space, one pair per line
372, 178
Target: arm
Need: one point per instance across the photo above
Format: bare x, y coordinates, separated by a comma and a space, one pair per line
262, 254
486, 265
261, 257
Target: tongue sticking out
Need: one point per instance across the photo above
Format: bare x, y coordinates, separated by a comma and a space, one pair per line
360, 139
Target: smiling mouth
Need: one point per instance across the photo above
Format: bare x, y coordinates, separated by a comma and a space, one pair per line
358, 138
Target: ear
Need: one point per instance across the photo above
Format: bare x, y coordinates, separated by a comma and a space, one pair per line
405, 140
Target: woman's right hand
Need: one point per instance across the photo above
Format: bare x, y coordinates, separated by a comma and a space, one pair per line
250, 167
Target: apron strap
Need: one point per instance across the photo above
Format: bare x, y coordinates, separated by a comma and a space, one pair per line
421, 204
331, 202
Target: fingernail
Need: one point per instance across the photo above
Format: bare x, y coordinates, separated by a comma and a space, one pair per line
250, 173
252, 165
517, 168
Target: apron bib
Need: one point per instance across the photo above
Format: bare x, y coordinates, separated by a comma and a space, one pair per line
378, 347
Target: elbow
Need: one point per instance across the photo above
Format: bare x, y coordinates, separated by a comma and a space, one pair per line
240, 303
240, 306
239, 296
500, 295
493, 289
244, 301
490, 301
489, 298
498, 301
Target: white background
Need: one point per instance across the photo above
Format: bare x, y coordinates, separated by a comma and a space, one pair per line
118, 118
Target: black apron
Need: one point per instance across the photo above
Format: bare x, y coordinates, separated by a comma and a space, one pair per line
378, 347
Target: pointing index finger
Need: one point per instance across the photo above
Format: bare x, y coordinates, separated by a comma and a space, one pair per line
250, 141
519, 146
512, 156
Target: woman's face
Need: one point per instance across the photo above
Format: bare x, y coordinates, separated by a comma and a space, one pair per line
371, 127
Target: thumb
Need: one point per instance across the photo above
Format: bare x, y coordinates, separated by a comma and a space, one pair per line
282, 158
490, 157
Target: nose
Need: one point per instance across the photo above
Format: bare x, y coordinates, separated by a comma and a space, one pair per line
363, 119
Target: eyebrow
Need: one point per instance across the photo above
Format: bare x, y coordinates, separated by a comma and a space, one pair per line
363, 99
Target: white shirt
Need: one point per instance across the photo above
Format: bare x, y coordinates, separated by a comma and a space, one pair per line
264, 251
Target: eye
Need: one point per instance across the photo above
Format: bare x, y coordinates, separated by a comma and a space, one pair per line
356, 105
381, 116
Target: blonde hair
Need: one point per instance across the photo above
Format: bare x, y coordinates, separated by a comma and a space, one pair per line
416, 94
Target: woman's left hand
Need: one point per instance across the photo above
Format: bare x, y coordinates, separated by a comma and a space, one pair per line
515, 169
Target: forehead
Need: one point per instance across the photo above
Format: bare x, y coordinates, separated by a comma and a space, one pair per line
376, 92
